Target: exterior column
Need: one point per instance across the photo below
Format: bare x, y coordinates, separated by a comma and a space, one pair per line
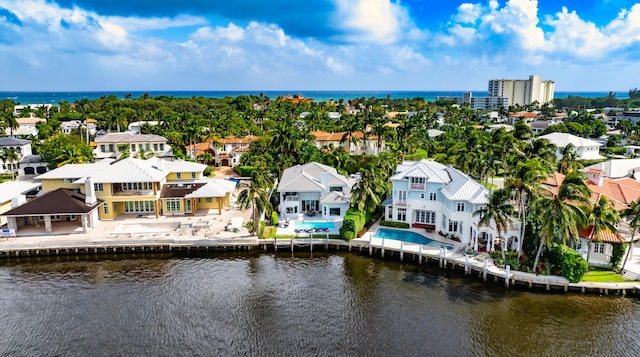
83, 219
47, 224
219, 205
12, 223
156, 208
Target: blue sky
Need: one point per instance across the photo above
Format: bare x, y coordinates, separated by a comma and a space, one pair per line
52, 45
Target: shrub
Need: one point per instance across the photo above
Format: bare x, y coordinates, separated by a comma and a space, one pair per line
207, 171
617, 254
353, 223
394, 224
571, 264
274, 218
245, 171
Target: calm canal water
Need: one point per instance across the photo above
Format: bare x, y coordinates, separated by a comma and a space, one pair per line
292, 305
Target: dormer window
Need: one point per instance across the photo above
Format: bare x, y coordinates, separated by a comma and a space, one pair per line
417, 183
335, 189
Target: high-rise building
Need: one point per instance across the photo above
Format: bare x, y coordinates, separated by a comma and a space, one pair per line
523, 91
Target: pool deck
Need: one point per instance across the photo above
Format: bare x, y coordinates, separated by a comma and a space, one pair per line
290, 230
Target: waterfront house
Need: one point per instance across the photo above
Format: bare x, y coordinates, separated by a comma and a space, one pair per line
429, 195
620, 192
586, 149
14, 194
314, 190
107, 145
152, 187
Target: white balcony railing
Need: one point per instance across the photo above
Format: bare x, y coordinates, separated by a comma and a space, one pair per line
291, 198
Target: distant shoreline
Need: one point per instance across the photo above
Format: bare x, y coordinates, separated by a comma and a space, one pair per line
46, 97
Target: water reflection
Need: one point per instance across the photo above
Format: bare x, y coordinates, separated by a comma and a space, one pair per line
291, 305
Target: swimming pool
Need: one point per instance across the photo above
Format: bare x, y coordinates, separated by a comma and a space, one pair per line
314, 225
408, 236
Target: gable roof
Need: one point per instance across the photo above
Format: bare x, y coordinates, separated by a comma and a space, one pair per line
563, 139
307, 178
456, 185
606, 237
60, 201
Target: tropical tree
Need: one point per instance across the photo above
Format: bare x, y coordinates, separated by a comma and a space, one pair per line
569, 161
524, 183
257, 195
563, 214
205, 157
71, 155
9, 122
124, 150
10, 157
603, 218
499, 211
367, 192
632, 212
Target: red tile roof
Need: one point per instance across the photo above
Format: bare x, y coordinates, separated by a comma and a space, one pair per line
606, 237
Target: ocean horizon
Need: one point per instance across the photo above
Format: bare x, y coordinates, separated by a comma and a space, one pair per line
318, 96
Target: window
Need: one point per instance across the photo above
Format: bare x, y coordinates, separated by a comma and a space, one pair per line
402, 214
178, 175
334, 211
103, 148
390, 209
428, 217
422, 196
402, 196
598, 248
133, 147
161, 147
335, 189
193, 175
173, 205
433, 196
291, 210
147, 147
453, 226
460, 207
105, 208
208, 199
155, 147
139, 146
98, 187
110, 147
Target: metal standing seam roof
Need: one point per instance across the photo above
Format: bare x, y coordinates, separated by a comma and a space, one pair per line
306, 178
464, 188
11, 141
431, 170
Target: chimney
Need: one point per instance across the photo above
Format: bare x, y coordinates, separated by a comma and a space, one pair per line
90, 192
160, 164
324, 180
596, 176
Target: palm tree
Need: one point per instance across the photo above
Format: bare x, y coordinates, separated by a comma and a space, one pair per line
632, 212
124, 150
603, 218
10, 122
524, 182
499, 211
205, 157
367, 192
257, 194
563, 214
10, 157
569, 161
72, 155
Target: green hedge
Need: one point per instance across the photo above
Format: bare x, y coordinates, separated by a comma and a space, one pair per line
571, 264
354, 221
245, 171
617, 254
394, 224
274, 218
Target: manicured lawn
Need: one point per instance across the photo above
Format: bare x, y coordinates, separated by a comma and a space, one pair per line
603, 276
